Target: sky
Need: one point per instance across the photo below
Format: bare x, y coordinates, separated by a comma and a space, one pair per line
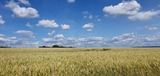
80, 23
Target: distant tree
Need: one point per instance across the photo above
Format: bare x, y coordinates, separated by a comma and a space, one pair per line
43, 47
55, 46
4, 47
63, 47
70, 47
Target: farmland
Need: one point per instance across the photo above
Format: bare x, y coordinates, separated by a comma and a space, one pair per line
79, 62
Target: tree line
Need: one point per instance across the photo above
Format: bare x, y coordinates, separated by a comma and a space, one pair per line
4, 47
55, 46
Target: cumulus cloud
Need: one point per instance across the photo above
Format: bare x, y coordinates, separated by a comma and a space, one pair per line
151, 28
3, 40
23, 43
25, 33
144, 15
48, 23
12, 38
29, 25
22, 12
88, 17
17, 42
124, 8
65, 27
2, 35
51, 33
71, 1
89, 25
25, 2
131, 9
1, 20
124, 40
151, 39
59, 36
6, 40
76, 42
47, 40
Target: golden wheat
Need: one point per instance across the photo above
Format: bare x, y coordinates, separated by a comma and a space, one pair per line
79, 62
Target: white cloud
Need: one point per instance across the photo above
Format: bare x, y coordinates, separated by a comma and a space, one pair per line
152, 39
26, 2
6, 40
22, 12
18, 42
124, 8
151, 28
123, 38
144, 15
59, 36
12, 38
76, 42
71, 1
1, 20
47, 39
2, 35
25, 33
148, 39
51, 33
3, 40
65, 27
89, 25
90, 17
23, 43
87, 15
131, 9
29, 25
47, 23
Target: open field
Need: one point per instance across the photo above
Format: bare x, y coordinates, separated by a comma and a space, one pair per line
80, 62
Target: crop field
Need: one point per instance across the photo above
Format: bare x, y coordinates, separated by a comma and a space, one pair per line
80, 62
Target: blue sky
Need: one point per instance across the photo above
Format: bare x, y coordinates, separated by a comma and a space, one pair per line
80, 23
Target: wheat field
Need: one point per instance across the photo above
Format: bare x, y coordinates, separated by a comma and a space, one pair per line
79, 62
